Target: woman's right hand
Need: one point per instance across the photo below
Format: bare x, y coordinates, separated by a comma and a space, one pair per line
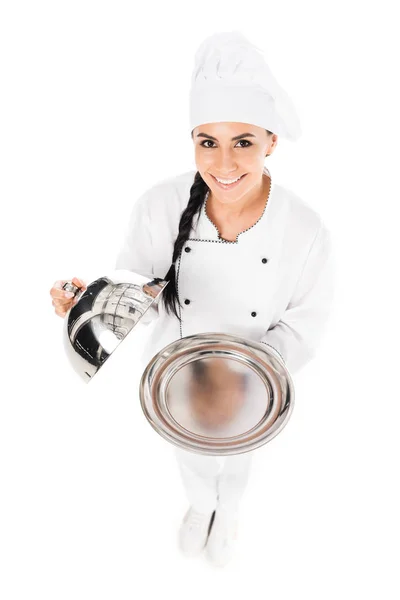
63, 300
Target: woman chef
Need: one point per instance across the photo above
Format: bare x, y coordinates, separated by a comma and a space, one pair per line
243, 255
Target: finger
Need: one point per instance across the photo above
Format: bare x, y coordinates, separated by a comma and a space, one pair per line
62, 302
61, 294
79, 283
56, 291
59, 283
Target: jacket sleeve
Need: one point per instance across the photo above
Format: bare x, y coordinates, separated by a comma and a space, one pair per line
136, 249
298, 333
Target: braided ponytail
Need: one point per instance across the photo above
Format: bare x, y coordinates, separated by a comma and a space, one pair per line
197, 195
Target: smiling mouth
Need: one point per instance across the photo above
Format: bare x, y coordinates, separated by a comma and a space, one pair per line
227, 185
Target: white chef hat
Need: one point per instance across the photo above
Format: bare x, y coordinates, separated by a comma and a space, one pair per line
232, 82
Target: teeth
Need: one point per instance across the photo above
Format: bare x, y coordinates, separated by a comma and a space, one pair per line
227, 182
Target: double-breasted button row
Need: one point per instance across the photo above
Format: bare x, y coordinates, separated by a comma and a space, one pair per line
187, 301
188, 249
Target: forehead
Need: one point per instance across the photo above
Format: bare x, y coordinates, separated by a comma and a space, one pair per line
227, 129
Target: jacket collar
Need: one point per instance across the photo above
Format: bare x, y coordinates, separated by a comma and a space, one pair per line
206, 230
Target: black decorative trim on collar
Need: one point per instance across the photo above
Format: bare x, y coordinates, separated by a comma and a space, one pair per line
221, 240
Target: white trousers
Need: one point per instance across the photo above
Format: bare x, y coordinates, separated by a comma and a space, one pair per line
211, 480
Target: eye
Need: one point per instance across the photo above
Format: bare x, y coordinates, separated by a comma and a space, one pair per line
246, 141
206, 142
239, 142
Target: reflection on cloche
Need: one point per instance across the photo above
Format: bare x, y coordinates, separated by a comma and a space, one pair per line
105, 313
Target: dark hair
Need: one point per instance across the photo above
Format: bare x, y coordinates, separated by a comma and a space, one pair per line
197, 196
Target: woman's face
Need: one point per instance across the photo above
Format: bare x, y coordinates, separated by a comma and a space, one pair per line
219, 154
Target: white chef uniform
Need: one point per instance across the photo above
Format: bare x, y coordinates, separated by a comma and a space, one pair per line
274, 284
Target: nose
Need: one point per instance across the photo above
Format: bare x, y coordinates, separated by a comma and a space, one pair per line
225, 164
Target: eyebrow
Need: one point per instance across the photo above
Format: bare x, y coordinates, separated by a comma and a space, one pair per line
237, 137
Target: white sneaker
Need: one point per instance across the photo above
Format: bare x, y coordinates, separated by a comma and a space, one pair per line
193, 531
223, 535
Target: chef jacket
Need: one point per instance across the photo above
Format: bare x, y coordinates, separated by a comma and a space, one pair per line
274, 284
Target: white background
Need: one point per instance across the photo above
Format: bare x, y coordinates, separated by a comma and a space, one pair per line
94, 111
